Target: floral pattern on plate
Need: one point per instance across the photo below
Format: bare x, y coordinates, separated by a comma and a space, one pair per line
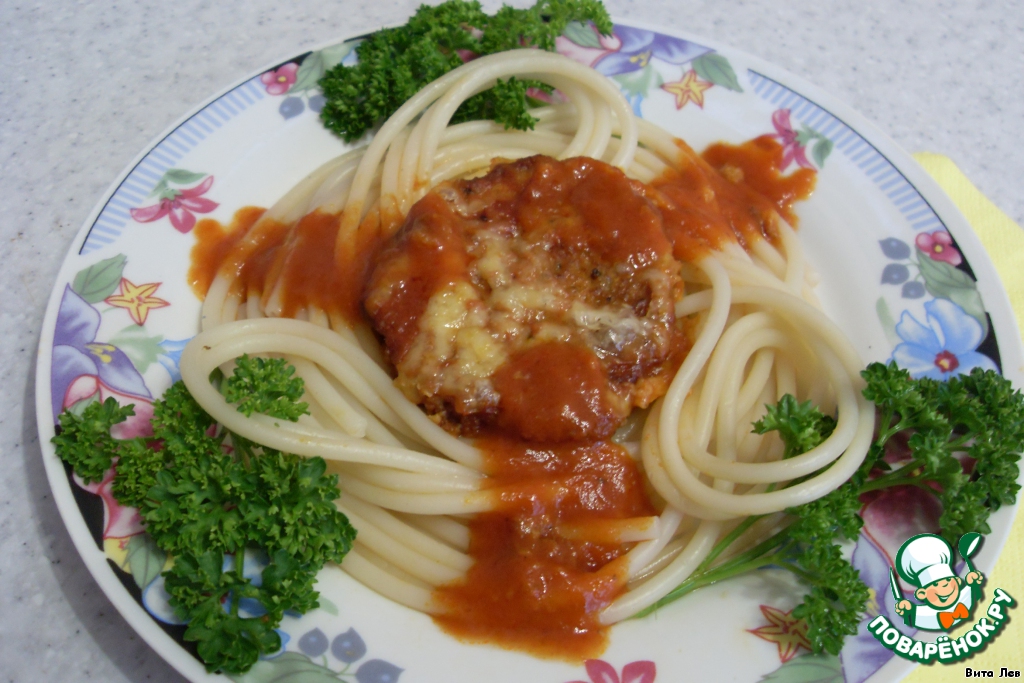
641, 60
945, 341
179, 204
600, 671
297, 80
84, 371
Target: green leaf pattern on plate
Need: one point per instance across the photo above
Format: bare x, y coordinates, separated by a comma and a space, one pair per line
716, 69
178, 176
808, 668
316, 64
142, 349
638, 83
145, 559
582, 34
98, 281
944, 281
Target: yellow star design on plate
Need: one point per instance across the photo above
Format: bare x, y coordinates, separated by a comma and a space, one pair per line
138, 300
783, 629
688, 89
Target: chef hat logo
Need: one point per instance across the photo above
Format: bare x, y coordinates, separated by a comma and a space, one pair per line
925, 559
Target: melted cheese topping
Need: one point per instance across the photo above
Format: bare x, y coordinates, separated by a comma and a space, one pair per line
538, 252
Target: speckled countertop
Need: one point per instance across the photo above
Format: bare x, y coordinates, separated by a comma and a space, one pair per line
86, 85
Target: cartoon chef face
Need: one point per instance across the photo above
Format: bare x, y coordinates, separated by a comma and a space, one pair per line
926, 561
942, 593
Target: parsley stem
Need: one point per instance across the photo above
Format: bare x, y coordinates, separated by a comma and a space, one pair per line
707, 578
755, 558
893, 430
956, 444
760, 549
806, 576
895, 478
726, 541
239, 572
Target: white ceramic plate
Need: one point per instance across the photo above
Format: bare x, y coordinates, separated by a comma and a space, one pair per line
121, 311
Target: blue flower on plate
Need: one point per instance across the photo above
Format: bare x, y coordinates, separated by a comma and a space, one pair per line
171, 356
943, 346
76, 353
377, 671
157, 602
314, 643
639, 46
348, 646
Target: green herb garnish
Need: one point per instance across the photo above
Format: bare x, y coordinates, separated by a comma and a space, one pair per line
207, 496
266, 385
396, 63
84, 441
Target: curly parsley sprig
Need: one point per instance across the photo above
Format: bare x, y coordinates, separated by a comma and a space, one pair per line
980, 415
208, 497
395, 63
85, 442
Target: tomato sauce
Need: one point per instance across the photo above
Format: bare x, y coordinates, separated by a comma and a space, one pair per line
302, 261
755, 168
213, 244
735, 195
555, 392
587, 205
531, 588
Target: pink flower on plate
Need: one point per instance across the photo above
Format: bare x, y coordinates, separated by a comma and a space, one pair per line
893, 515
588, 56
140, 424
280, 80
939, 246
118, 521
180, 205
792, 148
600, 671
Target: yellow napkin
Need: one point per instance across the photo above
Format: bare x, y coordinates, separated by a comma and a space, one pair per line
1004, 241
